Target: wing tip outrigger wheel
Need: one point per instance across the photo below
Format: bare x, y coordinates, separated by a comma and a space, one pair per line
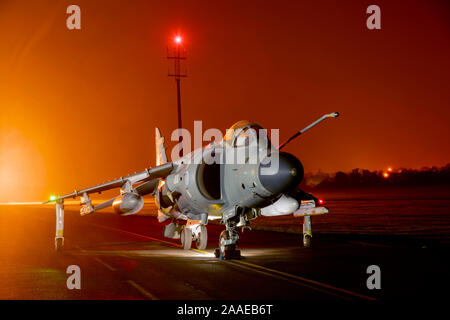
307, 232
59, 243
59, 234
307, 241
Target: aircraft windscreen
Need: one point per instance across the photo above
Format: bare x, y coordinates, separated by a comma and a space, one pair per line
243, 133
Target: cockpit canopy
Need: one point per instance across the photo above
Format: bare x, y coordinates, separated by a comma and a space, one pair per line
243, 133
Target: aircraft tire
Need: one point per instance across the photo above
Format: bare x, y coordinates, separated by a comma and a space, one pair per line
202, 240
59, 244
223, 248
187, 238
307, 241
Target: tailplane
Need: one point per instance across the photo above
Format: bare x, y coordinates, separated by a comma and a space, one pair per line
161, 157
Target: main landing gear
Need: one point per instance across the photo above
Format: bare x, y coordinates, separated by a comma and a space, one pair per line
198, 234
194, 231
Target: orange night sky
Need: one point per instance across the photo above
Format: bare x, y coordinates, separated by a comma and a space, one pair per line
80, 107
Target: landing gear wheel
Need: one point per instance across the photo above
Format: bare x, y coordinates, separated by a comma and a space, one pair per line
186, 238
222, 247
202, 239
226, 252
59, 242
307, 241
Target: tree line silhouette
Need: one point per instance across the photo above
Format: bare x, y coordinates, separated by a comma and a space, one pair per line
361, 178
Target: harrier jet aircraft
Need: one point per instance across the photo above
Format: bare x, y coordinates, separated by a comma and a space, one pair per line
235, 180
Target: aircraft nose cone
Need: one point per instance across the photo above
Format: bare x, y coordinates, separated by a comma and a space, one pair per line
282, 175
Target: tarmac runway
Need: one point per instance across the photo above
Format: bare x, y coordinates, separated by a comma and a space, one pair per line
127, 258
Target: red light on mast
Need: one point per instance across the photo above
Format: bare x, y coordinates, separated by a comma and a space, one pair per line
178, 39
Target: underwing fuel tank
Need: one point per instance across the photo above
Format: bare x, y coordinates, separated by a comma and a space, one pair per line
128, 203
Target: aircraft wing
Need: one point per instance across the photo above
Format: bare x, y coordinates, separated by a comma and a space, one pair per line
146, 176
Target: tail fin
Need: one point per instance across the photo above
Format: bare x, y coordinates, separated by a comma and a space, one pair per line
161, 157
